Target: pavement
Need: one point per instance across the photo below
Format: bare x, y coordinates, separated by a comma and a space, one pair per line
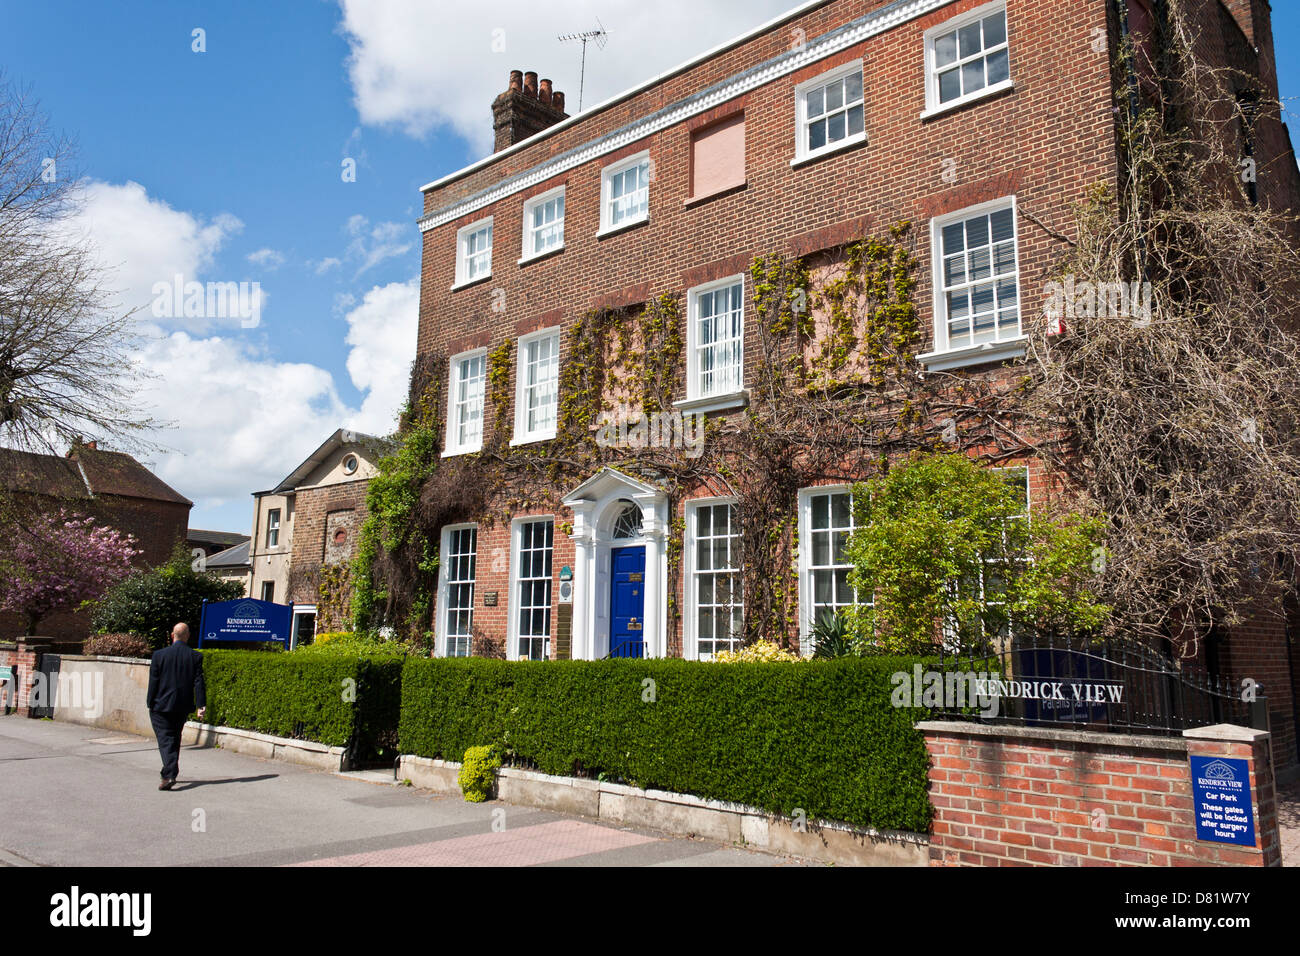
1288, 822
84, 796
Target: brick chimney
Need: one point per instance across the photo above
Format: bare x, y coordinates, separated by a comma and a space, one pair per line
526, 107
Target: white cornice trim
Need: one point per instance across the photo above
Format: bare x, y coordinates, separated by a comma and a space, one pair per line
842, 38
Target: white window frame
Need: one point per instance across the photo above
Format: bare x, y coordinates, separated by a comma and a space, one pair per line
696, 399
522, 435
444, 587
690, 536
452, 445
273, 521
806, 496
802, 153
607, 225
513, 604
529, 206
932, 105
462, 262
944, 356
949, 630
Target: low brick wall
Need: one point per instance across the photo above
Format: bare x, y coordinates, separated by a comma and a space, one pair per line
1007, 795
22, 655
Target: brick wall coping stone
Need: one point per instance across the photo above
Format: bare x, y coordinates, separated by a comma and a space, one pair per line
105, 657
1228, 732
1095, 738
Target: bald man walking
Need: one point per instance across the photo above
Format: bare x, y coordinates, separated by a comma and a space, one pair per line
175, 686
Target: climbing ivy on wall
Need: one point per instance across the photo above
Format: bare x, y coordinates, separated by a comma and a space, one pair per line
835, 393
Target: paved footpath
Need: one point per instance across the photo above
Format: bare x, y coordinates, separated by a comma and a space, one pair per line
82, 796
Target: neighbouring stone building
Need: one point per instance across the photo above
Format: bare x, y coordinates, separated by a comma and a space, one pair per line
304, 534
111, 487
638, 223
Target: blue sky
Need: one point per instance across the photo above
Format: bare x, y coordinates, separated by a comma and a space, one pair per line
225, 165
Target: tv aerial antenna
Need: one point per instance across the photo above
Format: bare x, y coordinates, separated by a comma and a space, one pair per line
600, 36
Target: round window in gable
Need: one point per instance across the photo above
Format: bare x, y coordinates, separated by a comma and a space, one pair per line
350, 464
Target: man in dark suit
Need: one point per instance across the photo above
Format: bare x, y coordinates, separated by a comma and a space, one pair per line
175, 686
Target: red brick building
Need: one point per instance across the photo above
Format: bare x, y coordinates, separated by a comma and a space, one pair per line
111, 487
979, 123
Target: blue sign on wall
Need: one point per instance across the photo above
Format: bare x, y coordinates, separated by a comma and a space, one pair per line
1222, 800
245, 619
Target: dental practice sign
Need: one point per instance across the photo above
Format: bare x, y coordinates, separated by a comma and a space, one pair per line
245, 619
1221, 791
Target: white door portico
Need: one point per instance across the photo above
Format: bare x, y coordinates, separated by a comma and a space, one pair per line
597, 505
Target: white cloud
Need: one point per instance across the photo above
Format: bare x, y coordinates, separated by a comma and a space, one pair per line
244, 421
371, 245
243, 418
325, 265
382, 334
141, 241
415, 67
269, 259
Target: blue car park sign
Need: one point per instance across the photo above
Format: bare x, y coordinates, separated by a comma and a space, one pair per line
245, 619
1222, 798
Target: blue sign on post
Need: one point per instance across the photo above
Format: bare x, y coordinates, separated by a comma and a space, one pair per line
245, 619
1222, 800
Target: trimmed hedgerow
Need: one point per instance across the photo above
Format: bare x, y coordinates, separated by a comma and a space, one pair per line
818, 736
308, 696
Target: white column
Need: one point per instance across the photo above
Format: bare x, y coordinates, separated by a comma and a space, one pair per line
583, 570
652, 529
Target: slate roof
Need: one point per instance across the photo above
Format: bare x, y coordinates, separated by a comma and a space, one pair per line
236, 557
84, 473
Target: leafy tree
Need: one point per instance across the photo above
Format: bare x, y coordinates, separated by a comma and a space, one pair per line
944, 545
150, 603
52, 563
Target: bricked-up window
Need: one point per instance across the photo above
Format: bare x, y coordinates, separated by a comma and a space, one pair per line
967, 57
825, 521
718, 157
465, 403
625, 193
533, 577
537, 386
977, 271
544, 224
716, 339
273, 528
716, 609
474, 252
459, 555
831, 111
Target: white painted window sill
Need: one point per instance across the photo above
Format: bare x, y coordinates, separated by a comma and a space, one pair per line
829, 150
469, 282
455, 452
541, 255
621, 227
714, 403
994, 90
973, 355
531, 439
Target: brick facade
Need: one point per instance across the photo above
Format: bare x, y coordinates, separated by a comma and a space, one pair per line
1045, 141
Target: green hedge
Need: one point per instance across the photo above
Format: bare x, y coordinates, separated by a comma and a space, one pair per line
301, 695
821, 736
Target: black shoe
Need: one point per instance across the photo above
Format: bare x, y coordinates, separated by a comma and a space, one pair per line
167, 783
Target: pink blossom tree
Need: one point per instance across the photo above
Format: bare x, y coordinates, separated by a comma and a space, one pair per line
56, 562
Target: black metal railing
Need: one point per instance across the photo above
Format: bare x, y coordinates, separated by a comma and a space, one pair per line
627, 648
1112, 685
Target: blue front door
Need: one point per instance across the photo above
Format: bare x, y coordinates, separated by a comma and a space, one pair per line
627, 603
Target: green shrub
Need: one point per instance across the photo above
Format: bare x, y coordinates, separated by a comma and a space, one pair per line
150, 603
333, 697
478, 772
820, 736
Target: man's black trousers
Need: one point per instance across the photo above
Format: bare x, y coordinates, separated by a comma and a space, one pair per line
167, 728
